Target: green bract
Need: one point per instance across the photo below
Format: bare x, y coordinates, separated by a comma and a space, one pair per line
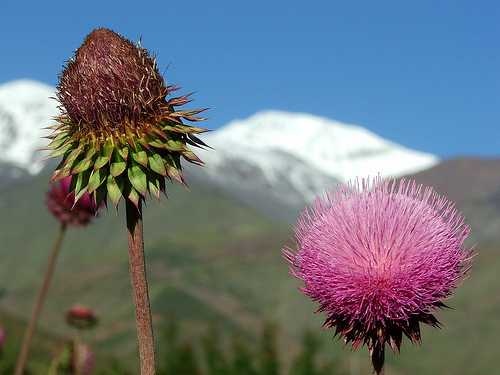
118, 135
126, 166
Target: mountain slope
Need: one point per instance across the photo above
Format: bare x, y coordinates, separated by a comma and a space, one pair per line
474, 185
278, 161
212, 259
338, 150
202, 249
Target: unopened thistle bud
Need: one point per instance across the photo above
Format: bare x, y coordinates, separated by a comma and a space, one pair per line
81, 317
118, 133
61, 203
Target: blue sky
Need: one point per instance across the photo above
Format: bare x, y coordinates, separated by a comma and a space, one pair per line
425, 73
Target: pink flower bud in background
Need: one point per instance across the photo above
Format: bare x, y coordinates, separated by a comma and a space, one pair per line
3, 338
81, 317
83, 359
61, 203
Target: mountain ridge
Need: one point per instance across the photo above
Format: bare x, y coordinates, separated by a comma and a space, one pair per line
269, 141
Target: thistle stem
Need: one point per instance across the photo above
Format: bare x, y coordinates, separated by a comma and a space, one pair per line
139, 280
40, 300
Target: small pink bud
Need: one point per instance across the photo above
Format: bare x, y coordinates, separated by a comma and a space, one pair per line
81, 317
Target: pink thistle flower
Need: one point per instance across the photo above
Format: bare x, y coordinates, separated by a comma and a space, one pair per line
61, 203
379, 257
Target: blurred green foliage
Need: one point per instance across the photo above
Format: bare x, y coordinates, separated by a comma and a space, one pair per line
211, 354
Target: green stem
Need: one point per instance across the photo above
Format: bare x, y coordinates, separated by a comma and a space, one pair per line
139, 280
40, 300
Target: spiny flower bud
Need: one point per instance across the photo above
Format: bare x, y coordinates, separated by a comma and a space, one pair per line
61, 203
81, 317
379, 257
118, 133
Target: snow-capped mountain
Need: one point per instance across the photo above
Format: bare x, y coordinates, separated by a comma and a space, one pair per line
25, 108
272, 156
306, 153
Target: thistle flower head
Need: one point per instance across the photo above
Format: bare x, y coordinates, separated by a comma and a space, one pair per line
379, 257
118, 132
81, 317
61, 203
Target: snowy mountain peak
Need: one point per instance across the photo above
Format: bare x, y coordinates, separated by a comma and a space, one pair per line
338, 150
289, 156
25, 108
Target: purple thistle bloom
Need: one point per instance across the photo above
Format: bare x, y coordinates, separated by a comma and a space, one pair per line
379, 256
61, 203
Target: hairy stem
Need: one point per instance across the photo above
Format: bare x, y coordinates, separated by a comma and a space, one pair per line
40, 300
139, 280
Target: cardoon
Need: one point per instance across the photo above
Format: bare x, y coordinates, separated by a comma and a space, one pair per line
61, 203
120, 136
379, 257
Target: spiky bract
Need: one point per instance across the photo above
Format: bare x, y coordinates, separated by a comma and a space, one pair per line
61, 203
379, 256
118, 134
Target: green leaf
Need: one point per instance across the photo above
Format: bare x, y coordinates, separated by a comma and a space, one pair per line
62, 150
73, 155
134, 197
105, 155
192, 157
186, 129
59, 136
81, 166
123, 152
114, 191
156, 143
157, 164
118, 165
95, 181
117, 168
141, 157
154, 187
174, 145
100, 195
137, 178
175, 174
81, 183
154, 183
57, 143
